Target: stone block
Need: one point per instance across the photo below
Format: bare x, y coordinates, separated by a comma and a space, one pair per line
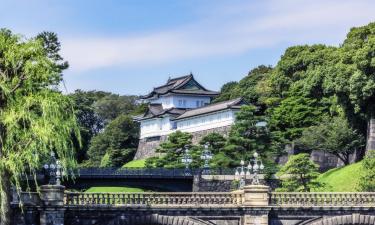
256, 195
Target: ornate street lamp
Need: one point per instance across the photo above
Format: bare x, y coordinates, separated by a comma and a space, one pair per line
242, 173
186, 160
206, 156
257, 167
54, 170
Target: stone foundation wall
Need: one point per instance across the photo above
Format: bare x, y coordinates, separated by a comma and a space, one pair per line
371, 135
146, 148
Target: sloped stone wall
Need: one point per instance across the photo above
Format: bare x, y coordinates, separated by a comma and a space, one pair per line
371, 135
146, 148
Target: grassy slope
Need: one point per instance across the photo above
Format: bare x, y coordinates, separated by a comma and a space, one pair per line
344, 179
140, 163
113, 189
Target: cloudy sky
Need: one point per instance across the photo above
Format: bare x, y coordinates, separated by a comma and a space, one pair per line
130, 46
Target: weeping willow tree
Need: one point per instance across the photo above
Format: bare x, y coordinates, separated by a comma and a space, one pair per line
35, 118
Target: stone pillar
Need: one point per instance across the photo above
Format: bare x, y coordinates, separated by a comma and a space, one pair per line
52, 210
256, 201
371, 135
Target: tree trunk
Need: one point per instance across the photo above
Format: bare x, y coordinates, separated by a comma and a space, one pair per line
5, 198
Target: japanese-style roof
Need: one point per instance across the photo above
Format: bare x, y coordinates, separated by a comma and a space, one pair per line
230, 104
156, 110
185, 85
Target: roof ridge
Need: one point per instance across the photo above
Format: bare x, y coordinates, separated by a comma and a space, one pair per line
180, 77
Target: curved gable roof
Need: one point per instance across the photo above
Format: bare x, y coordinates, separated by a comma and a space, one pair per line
176, 85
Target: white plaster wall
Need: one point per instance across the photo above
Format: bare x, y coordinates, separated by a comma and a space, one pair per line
190, 102
179, 101
166, 101
206, 122
163, 126
155, 127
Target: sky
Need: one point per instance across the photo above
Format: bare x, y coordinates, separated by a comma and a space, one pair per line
131, 46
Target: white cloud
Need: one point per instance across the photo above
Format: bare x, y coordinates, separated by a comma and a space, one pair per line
239, 29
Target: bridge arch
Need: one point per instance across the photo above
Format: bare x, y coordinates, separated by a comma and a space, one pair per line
357, 219
156, 219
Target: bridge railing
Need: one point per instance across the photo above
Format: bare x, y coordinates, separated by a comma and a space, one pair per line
150, 172
339, 199
182, 199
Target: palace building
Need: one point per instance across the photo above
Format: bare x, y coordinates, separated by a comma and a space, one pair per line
185, 105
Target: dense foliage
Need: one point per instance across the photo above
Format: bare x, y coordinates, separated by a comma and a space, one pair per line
173, 150
98, 111
333, 135
35, 118
116, 145
299, 174
367, 181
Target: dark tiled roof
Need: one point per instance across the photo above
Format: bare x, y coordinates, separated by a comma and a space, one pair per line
174, 85
231, 104
156, 110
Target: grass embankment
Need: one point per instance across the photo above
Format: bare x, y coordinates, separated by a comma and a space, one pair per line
113, 189
140, 163
343, 179
132, 164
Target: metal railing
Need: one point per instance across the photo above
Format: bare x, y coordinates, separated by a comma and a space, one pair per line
145, 172
164, 199
322, 199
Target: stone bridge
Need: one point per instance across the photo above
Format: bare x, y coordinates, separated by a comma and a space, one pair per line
147, 178
254, 205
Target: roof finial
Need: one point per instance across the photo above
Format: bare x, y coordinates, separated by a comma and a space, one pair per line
191, 73
169, 78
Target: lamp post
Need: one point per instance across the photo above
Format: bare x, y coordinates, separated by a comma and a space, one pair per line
54, 170
206, 156
257, 167
186, 160
244, 172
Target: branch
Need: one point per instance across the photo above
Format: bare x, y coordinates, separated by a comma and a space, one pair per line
22, 78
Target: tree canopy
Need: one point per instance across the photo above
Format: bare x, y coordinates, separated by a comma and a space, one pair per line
35, 118
299, 174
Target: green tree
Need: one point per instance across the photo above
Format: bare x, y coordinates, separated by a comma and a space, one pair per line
89, 121
352, 78
119, 140
333, 135
35, 118
367, 181
247, 134
215, 140
299, 174
111, 106
293, 115
226, 92
172, 151
246, 87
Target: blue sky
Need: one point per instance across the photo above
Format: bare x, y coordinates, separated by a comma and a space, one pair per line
130, 46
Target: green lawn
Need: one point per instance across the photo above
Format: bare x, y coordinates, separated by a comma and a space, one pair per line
113, 189
140, 163
344, 179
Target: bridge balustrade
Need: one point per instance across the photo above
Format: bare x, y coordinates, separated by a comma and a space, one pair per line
168, 199
322, 199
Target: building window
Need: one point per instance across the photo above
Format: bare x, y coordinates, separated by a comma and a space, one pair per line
184, 103
179, 102
202, 103
197, 104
